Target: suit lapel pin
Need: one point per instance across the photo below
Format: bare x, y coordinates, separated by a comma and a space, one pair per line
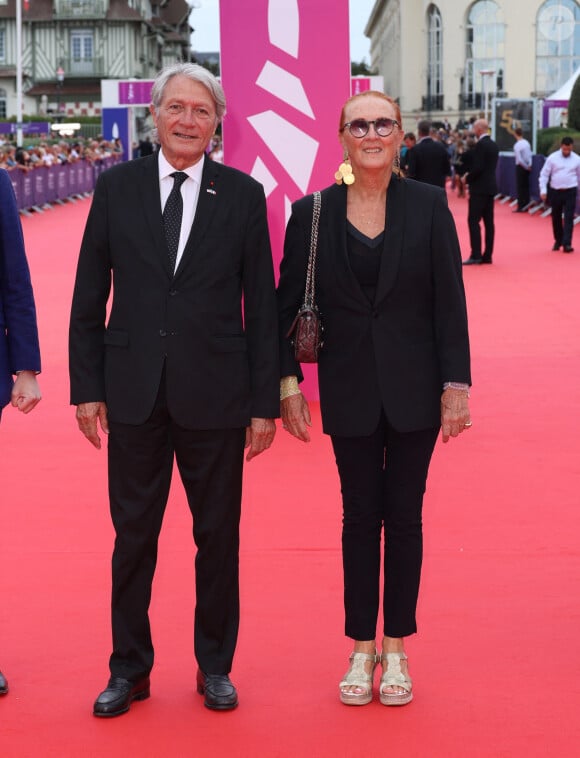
210, 189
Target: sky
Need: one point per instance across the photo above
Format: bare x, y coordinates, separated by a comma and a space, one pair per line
205, 21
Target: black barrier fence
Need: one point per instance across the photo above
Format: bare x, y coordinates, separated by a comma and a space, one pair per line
49, 184
506, 178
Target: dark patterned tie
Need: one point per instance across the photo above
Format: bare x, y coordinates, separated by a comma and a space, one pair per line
172, 214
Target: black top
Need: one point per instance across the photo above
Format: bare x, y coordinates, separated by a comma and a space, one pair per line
364, 256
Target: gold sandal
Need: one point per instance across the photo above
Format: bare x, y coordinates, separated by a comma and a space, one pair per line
356, 676
394, 677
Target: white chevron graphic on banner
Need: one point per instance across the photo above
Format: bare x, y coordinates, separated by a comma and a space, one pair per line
262, 174
286, 86
287, 209
287, 141
284, 25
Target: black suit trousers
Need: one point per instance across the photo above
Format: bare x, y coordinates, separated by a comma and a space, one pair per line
481, 208
383, 479
140, 468
523, 187
563, 202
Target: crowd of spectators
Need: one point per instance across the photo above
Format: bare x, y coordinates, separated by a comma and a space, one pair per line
458, 141
46, 153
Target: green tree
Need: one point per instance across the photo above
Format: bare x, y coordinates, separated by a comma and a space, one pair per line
360, 69
574, 106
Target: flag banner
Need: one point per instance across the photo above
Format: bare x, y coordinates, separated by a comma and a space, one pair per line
285, 68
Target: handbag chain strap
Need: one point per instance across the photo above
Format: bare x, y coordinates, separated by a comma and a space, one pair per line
310, 271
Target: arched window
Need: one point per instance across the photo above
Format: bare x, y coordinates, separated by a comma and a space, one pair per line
557, 44
484, 54
434, 99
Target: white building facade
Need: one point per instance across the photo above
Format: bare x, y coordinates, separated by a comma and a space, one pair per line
448, 59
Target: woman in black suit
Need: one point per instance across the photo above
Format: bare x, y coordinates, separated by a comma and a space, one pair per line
394, 369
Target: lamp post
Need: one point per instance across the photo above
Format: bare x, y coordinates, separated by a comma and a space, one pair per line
59, 85
18, 73
486, 75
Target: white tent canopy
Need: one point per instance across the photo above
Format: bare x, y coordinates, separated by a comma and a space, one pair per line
565, 90
558, 101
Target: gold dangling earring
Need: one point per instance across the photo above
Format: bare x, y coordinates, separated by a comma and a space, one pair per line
397, 163
344, 173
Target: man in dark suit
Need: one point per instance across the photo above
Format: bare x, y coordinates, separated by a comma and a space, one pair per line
146, 147
482, 183
19, 350
186, 367
429, 160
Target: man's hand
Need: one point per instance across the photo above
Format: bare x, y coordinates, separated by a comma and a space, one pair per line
455, 416
87, 415
25, 392
259, 436
296, 416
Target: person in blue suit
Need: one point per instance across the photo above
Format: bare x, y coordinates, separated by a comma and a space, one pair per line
19, 349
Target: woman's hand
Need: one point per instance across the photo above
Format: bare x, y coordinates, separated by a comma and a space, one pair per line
455, 416
296, 416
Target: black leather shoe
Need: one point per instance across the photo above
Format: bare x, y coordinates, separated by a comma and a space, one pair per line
220, 693
485, 260
556, 246
119, 695
568, 249
472, 262
519, 210
3, 684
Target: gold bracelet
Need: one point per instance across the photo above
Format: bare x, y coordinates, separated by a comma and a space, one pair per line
288, 387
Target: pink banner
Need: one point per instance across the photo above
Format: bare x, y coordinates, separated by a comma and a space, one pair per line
286, 73
135, 93
285, 68
360, 84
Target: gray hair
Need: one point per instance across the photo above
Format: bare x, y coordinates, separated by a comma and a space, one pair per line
197, 74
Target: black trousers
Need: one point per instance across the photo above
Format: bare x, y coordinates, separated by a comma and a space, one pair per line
480, 208
563, 201
140, 467
523, 187
383, 479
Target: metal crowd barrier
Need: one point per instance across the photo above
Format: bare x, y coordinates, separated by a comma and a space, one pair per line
41, 187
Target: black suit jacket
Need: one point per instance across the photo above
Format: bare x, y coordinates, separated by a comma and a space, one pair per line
221, 357
429, 162
396, 352
482, 172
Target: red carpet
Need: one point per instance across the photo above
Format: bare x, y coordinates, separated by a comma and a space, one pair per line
495, 665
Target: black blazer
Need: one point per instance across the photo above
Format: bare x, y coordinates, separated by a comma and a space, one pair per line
394, 353
482, 172
221, 358
429, 162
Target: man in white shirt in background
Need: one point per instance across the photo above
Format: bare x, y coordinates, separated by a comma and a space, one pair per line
562, 172
523, 158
